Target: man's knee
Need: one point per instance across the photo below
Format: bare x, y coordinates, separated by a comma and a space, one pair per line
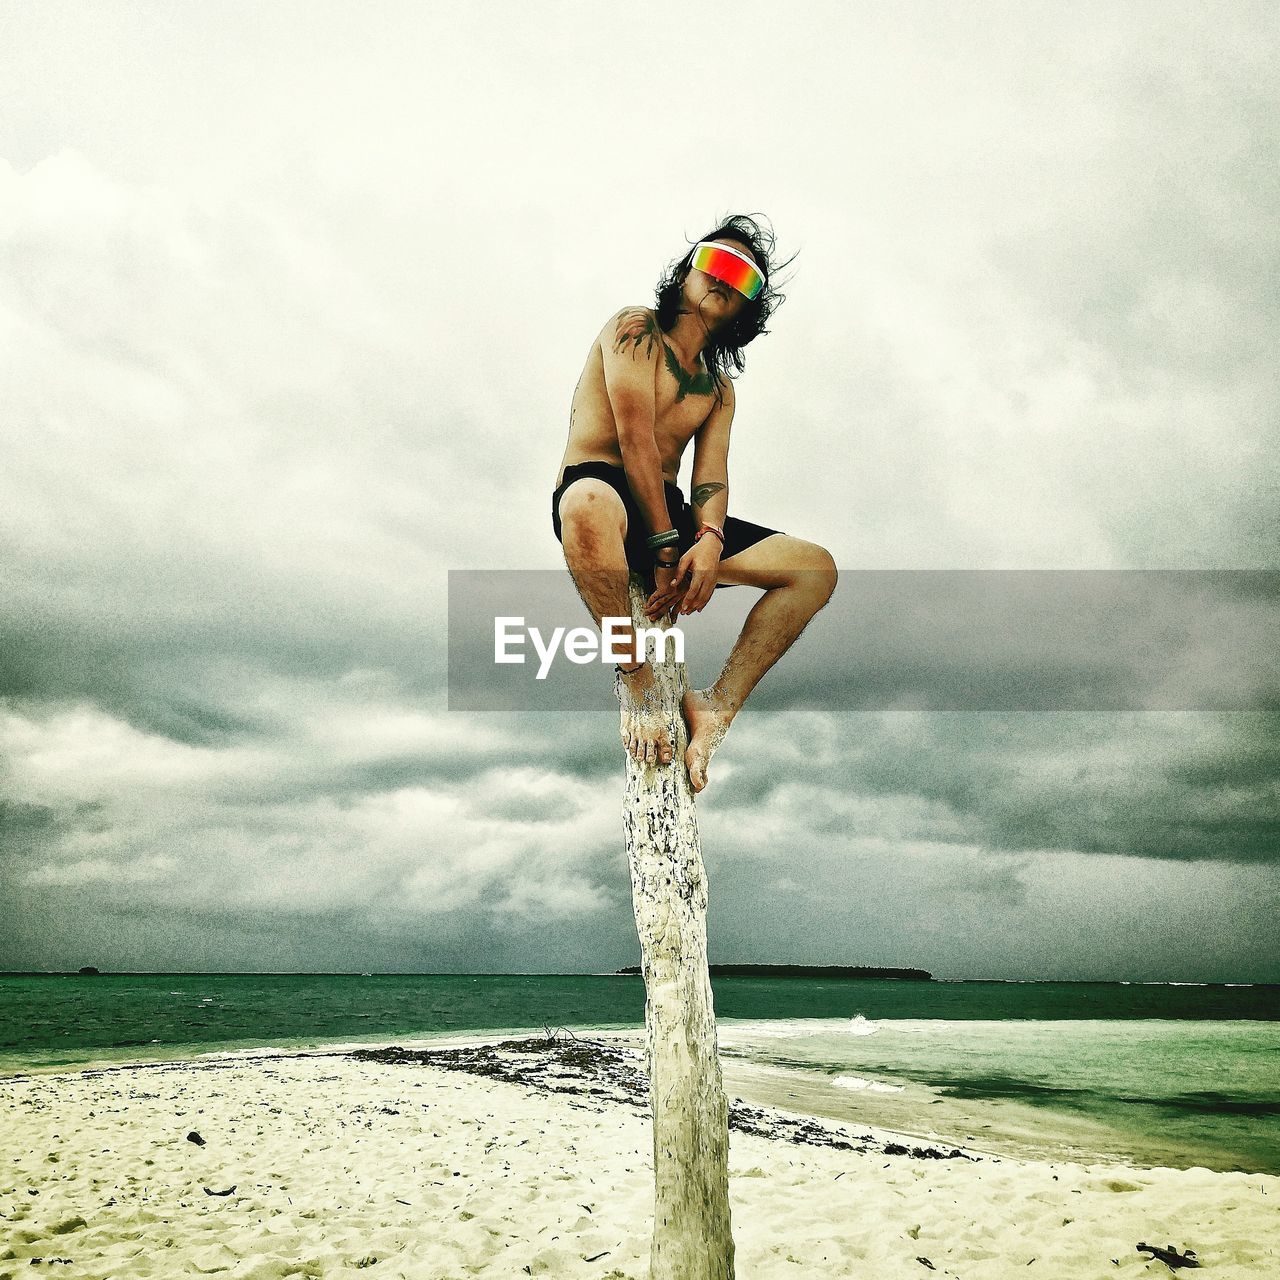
591, 515
817, 571
828, 574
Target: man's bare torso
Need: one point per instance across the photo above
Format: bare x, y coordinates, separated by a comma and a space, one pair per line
683, 398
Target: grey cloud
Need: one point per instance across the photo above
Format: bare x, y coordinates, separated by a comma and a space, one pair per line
268, 396
1175, 787
20, 819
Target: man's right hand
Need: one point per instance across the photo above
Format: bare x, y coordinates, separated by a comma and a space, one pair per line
668, 591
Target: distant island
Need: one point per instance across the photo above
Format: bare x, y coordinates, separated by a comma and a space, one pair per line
806, 971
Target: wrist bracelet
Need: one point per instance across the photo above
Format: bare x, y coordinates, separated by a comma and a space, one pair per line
656, 540
710, 528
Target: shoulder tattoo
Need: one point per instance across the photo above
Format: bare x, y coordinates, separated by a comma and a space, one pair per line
636, 326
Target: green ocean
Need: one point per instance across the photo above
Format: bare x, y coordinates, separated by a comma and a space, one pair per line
1150, 1073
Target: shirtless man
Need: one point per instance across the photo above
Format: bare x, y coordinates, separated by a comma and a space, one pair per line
654, 380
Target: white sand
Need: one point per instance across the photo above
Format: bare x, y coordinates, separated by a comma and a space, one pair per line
342, 1165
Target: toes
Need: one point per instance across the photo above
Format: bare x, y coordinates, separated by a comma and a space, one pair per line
697, 771
645, 750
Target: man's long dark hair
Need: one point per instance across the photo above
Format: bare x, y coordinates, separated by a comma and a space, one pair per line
724, 348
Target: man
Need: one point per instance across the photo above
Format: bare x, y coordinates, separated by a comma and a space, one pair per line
654, 380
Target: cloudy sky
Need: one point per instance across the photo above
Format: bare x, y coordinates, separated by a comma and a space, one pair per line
293, 299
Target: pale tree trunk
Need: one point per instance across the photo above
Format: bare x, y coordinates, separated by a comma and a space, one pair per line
692, 1238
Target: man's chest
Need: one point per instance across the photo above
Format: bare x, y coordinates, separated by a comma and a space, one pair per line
682, 400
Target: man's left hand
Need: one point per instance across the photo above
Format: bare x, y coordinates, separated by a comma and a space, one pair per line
698, 568
670, 584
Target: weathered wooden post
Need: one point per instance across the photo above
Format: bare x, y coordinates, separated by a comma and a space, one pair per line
692, 1237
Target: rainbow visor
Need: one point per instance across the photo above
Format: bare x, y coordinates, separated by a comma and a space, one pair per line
735, 268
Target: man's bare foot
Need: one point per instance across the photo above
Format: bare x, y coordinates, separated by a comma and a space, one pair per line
644, 732
708, 717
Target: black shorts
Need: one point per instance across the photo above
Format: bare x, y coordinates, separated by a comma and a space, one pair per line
738, 534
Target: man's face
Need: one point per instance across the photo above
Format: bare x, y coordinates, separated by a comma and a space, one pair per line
718, 304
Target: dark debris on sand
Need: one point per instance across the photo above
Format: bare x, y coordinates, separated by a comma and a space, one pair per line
565, 1063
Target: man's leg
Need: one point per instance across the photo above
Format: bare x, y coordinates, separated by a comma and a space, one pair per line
593, 528
798, 578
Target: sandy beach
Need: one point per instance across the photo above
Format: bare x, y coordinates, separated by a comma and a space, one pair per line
474, 1159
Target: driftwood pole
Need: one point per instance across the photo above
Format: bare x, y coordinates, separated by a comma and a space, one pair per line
692, 1237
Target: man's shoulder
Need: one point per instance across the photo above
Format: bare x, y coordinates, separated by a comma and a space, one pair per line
631, 311
630, 329
626, 317
726, 395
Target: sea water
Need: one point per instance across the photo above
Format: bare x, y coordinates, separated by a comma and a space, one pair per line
1175, 1092
1175, 1074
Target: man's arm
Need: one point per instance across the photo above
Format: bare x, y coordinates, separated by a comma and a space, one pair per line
632, 354
710, 501
710, 495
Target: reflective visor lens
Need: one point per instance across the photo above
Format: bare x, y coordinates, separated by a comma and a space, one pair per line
734, 268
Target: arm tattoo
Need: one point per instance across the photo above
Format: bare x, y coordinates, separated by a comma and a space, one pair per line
635, 326
704, 492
